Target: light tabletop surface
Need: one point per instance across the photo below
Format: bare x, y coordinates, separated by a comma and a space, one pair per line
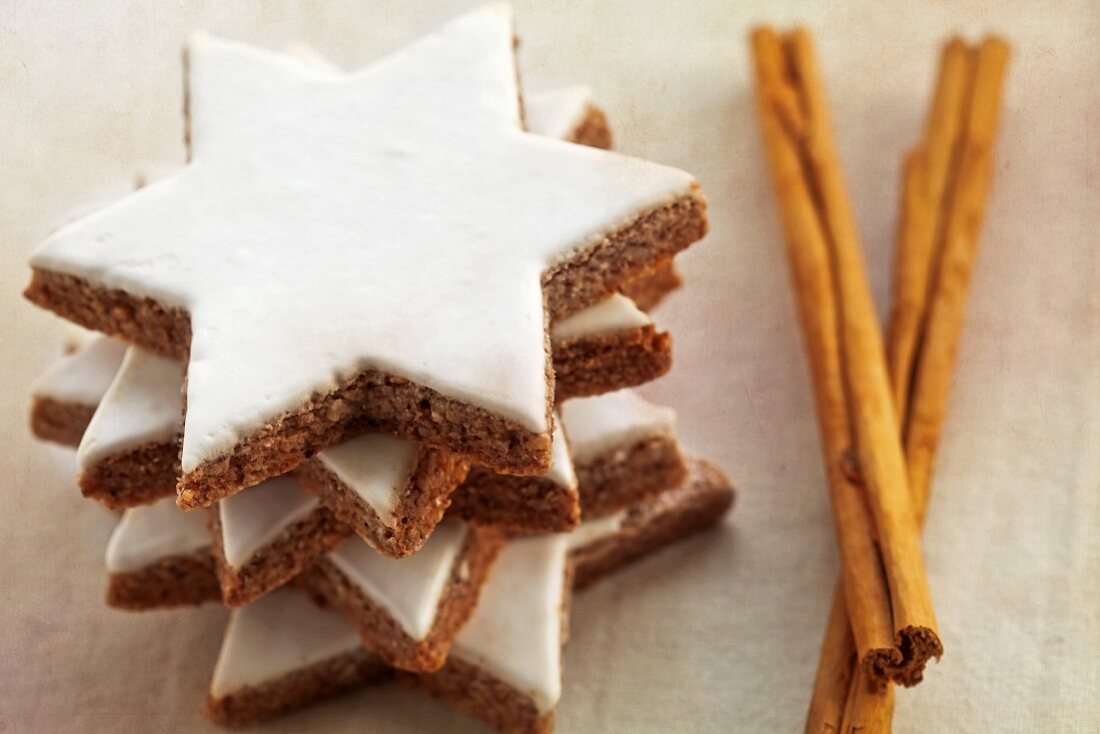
722, 632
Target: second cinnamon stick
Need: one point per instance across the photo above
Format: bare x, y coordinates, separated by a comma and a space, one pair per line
886, 591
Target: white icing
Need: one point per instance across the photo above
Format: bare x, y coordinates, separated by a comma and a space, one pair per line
144, 404
557, 113
515, 632
409, 589
561, 463
311, 56
76, 337
150, 533
83, 376
395, 218
278, 634
605, 422
376, 467
598, 528
617, 313
254, 517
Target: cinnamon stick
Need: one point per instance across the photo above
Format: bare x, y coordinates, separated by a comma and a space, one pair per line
927, 177
962, 228
868, 707
865, 586
874, 418
862, 706
885, 588
837, 666
845, 697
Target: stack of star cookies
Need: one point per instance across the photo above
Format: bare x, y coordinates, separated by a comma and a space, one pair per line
364, 372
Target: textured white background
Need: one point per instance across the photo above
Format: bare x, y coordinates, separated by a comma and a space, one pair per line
720, 634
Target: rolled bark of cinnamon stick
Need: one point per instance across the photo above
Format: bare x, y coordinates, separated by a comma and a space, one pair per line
865, 585
863, 706
837, 666
867, 707
885, 588
927, 179
874, 418
961, 232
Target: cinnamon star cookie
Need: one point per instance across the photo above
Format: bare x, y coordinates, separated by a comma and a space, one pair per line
322, 282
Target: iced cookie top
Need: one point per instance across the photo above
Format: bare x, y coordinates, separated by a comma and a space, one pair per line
253, 519
84, 375
151, 533
396, 218
144, 404
557, 113
409, 589
515, 632
377, 468
278, 634
600, 423
617, 313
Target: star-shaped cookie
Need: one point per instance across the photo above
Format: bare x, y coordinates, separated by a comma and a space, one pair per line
380, 250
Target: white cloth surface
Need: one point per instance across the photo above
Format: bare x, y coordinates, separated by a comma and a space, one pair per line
721, 633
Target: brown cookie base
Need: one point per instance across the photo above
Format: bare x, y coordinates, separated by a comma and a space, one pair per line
398, 407
698, 503
421, 507
585, 365
60, 421
132, 478
608, 482
649, 290
592, 130
648, 242
618, 478
375, 400
593, 365
171, 582
519, 504
254, 704
381, 632
277, 563
482, 696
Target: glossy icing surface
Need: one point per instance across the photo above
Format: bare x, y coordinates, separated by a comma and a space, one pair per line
410, 588
376, 467
253, 518
84, 375
306, 251
153, 532
278, 634
616, 313
516, 631
620, 418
